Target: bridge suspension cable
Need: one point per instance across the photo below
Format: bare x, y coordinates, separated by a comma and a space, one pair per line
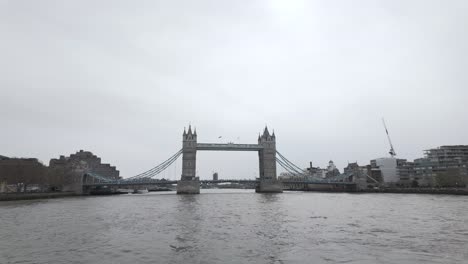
291, 165
293, 169
158, 169
286, 167
146, 176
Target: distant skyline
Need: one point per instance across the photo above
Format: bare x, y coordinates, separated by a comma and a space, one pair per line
123, 78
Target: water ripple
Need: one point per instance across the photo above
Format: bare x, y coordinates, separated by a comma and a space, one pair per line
236, 227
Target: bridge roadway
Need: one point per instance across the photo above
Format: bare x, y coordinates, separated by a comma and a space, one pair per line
163, 182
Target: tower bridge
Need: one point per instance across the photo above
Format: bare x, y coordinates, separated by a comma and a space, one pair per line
266, 149
189, 183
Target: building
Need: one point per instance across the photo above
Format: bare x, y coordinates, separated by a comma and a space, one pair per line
445, 166
352, 167
393, 171
332, 171
423, 173
387, 167
88, 161
448, 156
317, 172
357, 174
375, 175
215, 176
405, 171
66, 173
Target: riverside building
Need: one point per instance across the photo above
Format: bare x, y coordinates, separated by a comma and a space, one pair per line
444, 166
91, 162
394, 171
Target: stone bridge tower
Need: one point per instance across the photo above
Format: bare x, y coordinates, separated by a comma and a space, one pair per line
267, 162
189, 154
267, 156
189, 182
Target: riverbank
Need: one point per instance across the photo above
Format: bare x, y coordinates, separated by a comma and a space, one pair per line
453, 191
32, 196
450, 191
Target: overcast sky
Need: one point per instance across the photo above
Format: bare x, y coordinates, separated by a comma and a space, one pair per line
123, 78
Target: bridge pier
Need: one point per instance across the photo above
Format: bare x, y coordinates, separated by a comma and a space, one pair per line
188, 186
269, 186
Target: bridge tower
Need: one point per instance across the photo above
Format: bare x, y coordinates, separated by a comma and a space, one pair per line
189, 182
267, 162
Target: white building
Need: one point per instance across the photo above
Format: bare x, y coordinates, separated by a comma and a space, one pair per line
388, 168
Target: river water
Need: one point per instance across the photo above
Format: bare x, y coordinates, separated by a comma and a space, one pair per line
237, 226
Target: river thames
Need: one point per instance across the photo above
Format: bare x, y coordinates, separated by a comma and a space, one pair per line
237, 226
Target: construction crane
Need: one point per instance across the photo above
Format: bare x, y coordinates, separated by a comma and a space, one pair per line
392, 150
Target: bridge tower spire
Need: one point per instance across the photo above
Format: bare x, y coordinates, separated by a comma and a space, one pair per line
189, 183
